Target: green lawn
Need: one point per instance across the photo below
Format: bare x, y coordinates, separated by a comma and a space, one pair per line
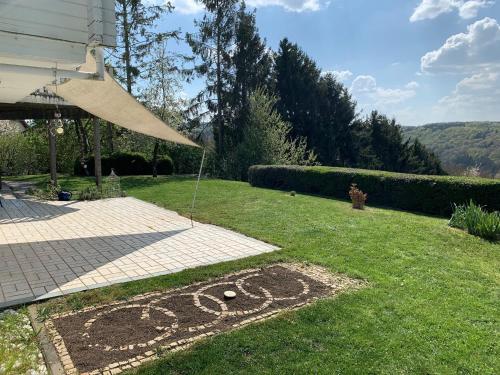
432, 306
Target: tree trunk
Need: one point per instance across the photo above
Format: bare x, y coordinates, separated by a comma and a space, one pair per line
52, 153
220, 122
97, 152
155, 158
126, 54
109, 137
82, 143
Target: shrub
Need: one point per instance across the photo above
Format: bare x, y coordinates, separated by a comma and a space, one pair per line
358, 198
126, 164
427, 194
476, 221
165, 165
89, 193
50, 192
458, 217
266, 139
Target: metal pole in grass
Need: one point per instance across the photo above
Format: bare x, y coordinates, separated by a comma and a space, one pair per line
196, 189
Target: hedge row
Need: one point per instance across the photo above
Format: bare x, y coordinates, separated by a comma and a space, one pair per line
126, 164
427, 194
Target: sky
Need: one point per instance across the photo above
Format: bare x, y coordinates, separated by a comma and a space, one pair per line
420, 61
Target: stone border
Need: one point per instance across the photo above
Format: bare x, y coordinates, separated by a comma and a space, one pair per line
48, 350
336, 282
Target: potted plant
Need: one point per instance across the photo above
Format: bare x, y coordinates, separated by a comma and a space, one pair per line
358, 198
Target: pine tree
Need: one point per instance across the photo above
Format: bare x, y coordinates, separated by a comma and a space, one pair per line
213, 44
379, 145
297, 78
332, 136
252, 64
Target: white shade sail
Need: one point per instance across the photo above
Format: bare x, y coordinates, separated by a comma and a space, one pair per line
107, 100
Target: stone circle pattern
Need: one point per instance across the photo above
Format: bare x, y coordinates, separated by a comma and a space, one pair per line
112, 338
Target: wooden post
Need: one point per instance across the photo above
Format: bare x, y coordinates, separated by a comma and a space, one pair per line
52, 152
97, 152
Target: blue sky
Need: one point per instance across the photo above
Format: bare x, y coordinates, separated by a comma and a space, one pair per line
418, 60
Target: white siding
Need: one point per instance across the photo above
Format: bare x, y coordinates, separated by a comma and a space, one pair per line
76, 21
49, 34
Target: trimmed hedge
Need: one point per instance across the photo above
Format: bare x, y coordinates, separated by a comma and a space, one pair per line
126, 164
165, 165
427, 194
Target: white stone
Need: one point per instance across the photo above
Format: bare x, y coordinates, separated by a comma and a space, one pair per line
229, 294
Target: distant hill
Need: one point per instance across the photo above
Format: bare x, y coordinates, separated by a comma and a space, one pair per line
462, 145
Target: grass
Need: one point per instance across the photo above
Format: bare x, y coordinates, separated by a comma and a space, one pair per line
432, 307
18, 344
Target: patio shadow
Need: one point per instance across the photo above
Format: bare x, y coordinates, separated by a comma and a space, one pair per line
24, 210
45, 269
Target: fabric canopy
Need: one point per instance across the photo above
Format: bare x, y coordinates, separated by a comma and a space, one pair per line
109, 101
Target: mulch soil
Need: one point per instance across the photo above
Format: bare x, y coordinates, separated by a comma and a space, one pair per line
125, 334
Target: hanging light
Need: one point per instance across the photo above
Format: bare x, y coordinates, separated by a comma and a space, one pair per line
58, 124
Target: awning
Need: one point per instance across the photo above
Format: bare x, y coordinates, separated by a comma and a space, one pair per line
109, 101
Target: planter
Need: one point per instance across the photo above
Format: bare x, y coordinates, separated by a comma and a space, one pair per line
64, 196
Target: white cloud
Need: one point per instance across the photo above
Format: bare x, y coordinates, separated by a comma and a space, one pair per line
366, 90
193, 6
477, 48
430, 9
470, 9
475, 56
187, 6
292, 5
364, 84
475, 98
412, 85
341, 75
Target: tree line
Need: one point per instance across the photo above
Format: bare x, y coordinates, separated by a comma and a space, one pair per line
257, 106
319, 115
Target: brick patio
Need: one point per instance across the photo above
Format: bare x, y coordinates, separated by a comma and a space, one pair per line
49, 249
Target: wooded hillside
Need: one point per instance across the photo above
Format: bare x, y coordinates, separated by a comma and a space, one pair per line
462, 145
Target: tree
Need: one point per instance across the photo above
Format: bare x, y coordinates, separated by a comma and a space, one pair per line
136, 36
159, 94
331, 138
379, 145
267, 140
422, 161
252, 65
297, 78
213, 44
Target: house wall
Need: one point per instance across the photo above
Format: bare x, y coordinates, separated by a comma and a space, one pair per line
49, 34
75, 21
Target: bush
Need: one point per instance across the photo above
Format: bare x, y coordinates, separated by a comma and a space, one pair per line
50, 193
427, 194
358, 198
476, 221
165, 166
458, 217
89, 193
126, 164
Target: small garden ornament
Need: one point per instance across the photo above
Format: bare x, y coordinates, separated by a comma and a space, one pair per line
358, 198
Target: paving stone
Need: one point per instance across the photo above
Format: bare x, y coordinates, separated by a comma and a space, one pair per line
53, 248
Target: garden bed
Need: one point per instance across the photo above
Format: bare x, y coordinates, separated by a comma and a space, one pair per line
122, 335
